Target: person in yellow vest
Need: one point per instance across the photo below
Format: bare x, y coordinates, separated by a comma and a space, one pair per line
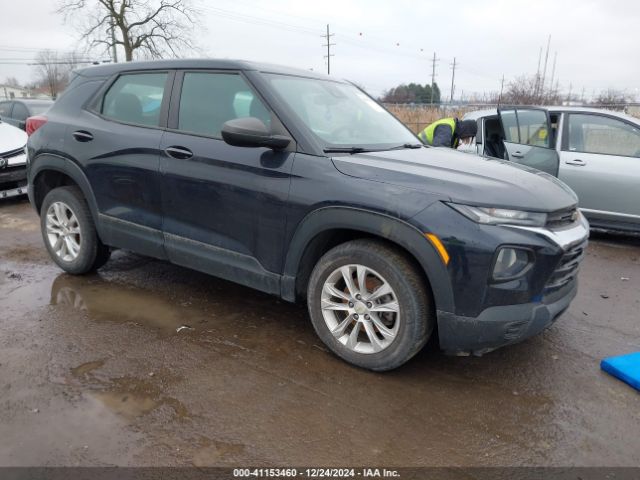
449, 132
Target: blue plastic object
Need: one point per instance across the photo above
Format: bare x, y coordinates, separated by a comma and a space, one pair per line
624, 367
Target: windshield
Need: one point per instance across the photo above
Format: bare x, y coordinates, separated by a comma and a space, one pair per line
340, 115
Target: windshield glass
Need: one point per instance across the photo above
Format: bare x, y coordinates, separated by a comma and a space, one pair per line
340, 115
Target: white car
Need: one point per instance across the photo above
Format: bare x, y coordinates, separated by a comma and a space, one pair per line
13, 161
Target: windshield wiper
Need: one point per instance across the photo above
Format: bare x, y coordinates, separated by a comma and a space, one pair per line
353, 150
406, 145
347, 150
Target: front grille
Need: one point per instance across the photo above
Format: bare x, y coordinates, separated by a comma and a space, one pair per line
562, 218
567, 268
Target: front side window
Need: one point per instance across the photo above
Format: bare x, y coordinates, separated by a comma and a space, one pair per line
602, 135
5, 109
208, 100
340, 115
20, 112
526, 127
135, 98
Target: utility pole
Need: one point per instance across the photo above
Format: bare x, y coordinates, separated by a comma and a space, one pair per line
553, 69
582, 96
501, 90
570, 89
328, 45
453, 78
433, 74
114, 50
537, 83
544, 73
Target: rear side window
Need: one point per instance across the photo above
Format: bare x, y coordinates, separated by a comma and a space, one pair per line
208, 100
135, 98
603, 135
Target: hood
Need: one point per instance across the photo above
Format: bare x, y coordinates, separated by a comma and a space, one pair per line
11, 138
462, 178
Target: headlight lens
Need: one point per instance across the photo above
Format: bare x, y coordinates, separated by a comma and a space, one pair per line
510, 263
498, 216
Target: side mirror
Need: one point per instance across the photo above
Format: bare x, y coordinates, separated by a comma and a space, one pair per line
252, 132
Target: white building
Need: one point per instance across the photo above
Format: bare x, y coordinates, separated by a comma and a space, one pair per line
7, 91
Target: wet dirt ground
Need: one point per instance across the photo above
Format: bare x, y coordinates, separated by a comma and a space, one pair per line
94, 372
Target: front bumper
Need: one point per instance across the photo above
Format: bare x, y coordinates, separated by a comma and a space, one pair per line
548, 293
13, 175
503, 325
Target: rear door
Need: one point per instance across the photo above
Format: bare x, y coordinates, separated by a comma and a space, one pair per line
528, 138
117, 144
600, 161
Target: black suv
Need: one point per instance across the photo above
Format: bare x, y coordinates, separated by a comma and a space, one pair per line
302, 186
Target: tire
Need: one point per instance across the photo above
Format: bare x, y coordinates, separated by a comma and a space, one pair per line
406, 312
84, 252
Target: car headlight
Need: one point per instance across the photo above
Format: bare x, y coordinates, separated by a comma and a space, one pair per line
501, 216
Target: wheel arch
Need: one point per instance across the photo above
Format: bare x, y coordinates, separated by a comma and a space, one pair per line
326, 227
49, 171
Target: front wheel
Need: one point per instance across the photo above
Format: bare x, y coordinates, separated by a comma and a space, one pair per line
370, 305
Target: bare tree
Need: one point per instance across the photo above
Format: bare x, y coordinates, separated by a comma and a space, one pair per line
143, 28
611, 97
53, 69
12, 82
526, 90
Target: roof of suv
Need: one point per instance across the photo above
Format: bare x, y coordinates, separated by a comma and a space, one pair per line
200, 63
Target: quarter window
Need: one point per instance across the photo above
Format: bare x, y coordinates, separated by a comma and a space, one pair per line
208, 100
135, 98
603, 135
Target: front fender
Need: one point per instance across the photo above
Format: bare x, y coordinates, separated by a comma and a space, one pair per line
397, 231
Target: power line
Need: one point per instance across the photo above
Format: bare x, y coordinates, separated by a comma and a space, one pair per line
328, 45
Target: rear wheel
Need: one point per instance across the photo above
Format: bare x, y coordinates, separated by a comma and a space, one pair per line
370, 305
69, 232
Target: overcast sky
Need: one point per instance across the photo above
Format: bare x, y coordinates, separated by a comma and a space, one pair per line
380, 44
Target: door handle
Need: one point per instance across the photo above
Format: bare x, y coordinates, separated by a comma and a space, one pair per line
577, 162
82, 136
181, 153
517, 155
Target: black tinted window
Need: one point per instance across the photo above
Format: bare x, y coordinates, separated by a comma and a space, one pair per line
208, 100
135, 98
20, 112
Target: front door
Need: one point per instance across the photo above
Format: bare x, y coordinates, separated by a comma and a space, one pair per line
600, 161
527, 138
224, 206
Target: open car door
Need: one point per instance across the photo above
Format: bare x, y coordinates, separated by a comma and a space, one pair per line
528, 138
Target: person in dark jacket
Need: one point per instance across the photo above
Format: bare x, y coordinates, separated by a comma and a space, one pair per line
449, 132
